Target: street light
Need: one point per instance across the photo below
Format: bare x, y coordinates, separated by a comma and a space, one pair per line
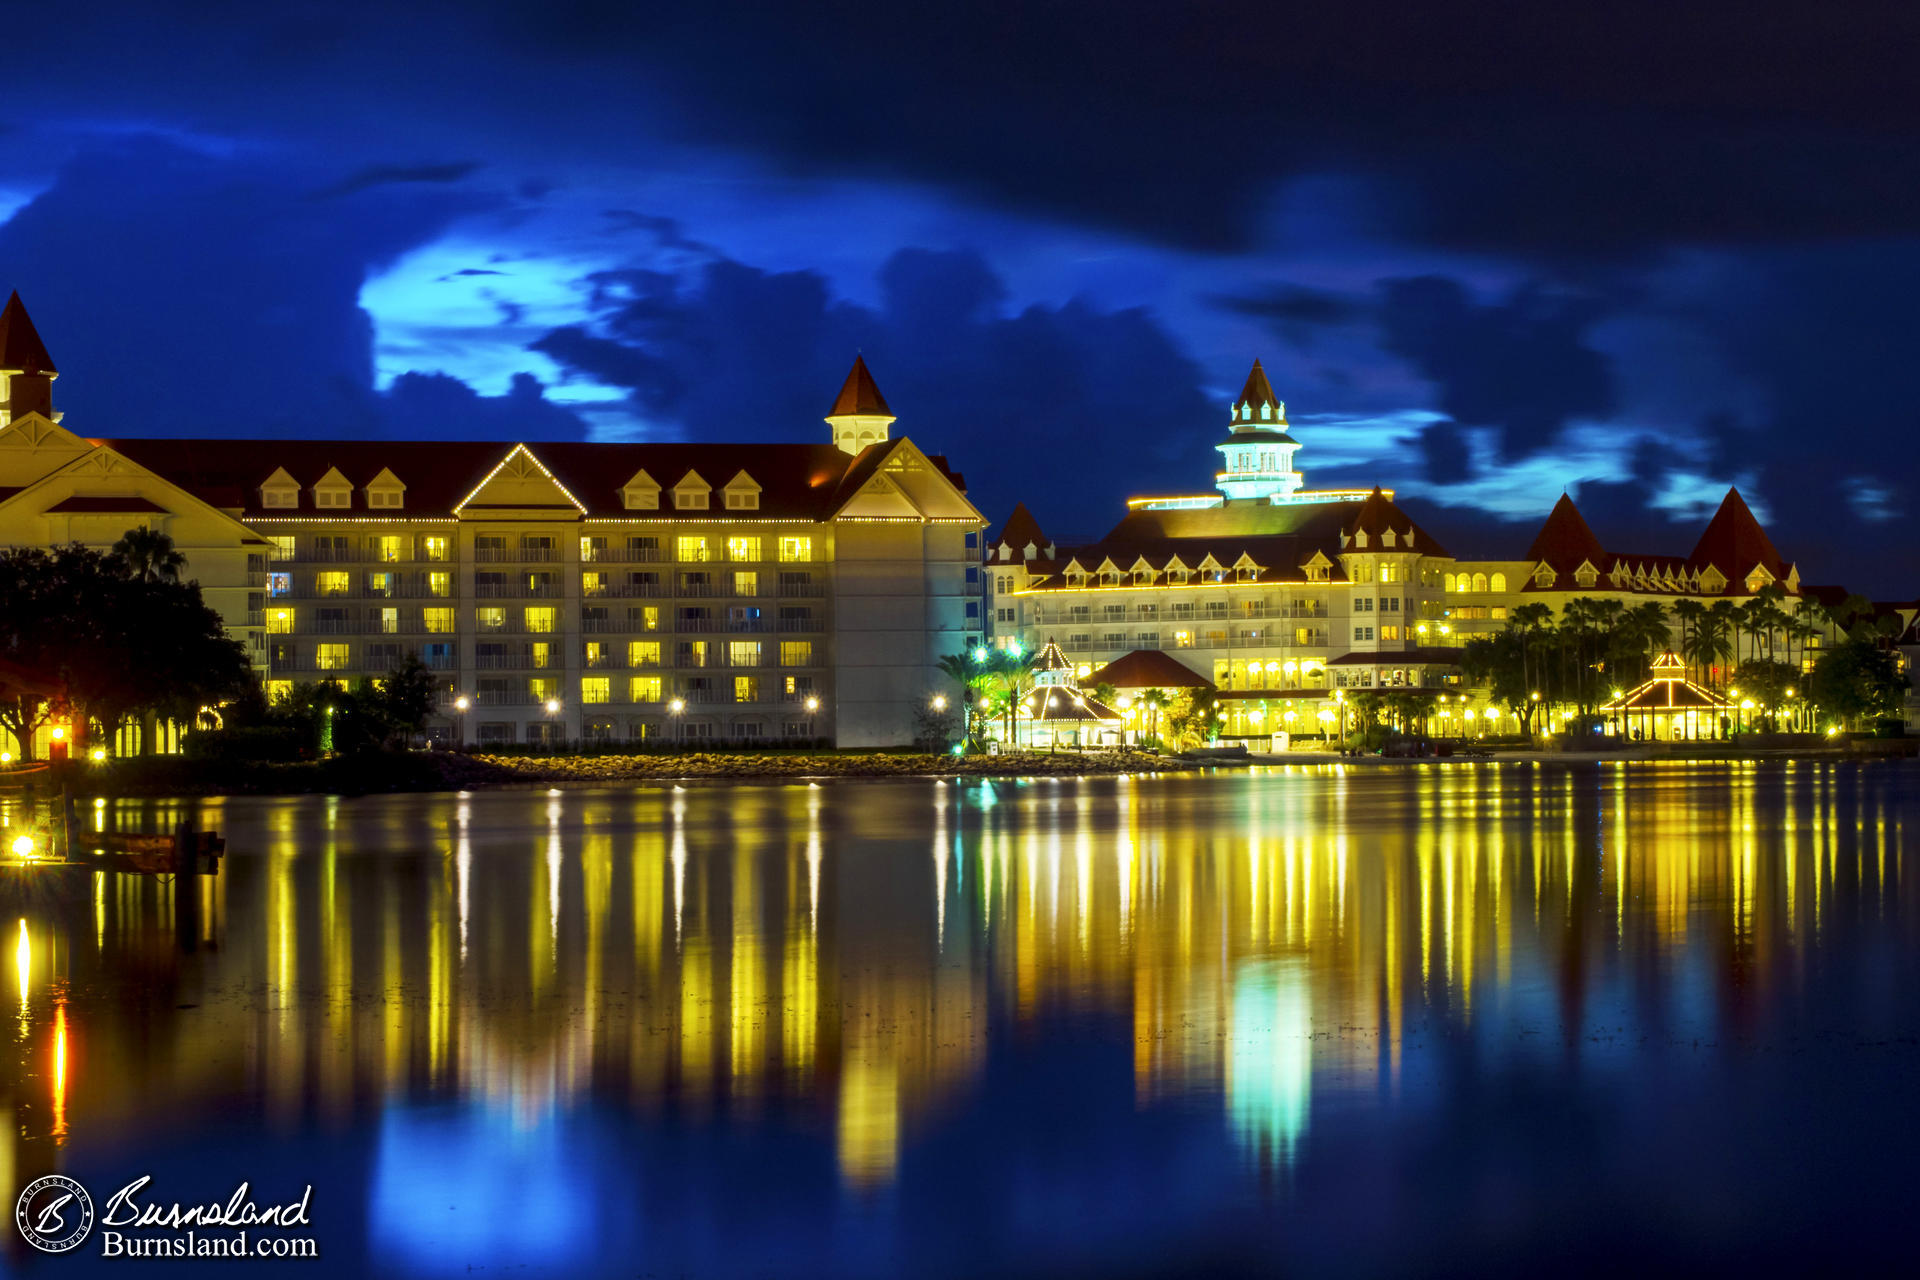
674, 709
813, 705
939, 702
460, 705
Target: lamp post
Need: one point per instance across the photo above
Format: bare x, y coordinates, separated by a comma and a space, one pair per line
813, 706
674, 709
460, 706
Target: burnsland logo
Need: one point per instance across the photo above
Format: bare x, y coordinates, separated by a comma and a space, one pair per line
54, 1213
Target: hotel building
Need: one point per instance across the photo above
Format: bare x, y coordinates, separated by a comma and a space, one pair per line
1281, 595
566, 590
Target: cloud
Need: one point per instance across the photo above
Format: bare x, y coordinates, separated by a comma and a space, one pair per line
1520, 365
1068, 407
381, 175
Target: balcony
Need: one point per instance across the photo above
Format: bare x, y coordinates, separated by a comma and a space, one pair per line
516, 555
621, 555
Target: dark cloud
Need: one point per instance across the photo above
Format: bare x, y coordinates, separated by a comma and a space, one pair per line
224, 302
1520, 365
1067, 407
667, 232
1444, 447
382, 175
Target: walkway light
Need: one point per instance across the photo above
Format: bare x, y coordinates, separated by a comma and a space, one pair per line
98, 754
677, 706
23, 846
813, 704
58, 732
553, 706
980, 653
939, 702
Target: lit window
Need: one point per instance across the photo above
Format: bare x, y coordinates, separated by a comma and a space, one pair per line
796, 550
330, 657
1498, 582
743, 653
433, 548
540, 618
746, 583
691, 550
379, 584
440, 584
796, 653
743, 548
490, 618
438, 621
643, 688
390, 622
389, 549
333, 582
540, 655
279, 622
596, 689
543, 688
746, 688
279, 691
645, 618
593, 584
643, 653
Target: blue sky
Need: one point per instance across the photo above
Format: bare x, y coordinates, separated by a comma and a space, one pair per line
1483, 255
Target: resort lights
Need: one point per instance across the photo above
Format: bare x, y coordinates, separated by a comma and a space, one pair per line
677, 706
97, 754
6, 757
23, 846
553, 706
58, 732
939, 702
813, 704
461, 703
980, 653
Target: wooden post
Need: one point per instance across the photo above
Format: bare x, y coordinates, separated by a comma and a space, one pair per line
186, 885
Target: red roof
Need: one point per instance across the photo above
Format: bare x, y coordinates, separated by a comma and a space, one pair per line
21, 350
1565, 541
1398, 657
797, 481
1734, 543
859, 394
1147, 669
1020, 531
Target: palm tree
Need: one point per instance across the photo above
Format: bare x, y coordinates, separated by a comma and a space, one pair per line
971, 677
1531, 621
1690, 613
1716, 640
149, 555
1012, 676
1155, 701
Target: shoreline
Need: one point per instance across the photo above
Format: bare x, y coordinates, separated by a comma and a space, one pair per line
427, 772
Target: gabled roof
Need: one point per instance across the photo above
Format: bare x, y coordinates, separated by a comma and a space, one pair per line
1377, 516
859, 395
798, 481
1565, 541
21, 350
1734, 543
1020, 531
1148, 669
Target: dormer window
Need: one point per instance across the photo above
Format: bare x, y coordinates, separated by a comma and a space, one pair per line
280, 490
386, 491
1360, 538
1543, 576
1586, 575
335, 498
743, 493
692, 493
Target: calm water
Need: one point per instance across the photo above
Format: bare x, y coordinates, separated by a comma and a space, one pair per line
1452, 1018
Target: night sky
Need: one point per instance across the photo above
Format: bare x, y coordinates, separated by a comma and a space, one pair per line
1483, 255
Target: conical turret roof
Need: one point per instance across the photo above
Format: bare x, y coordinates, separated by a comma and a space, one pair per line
1257, 392
859, 395
1734, 543
1565, 541
21, 350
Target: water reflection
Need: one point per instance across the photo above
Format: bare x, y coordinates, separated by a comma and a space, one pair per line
1290, 957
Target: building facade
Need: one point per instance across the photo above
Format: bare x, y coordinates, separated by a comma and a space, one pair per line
566, 590
1282, 597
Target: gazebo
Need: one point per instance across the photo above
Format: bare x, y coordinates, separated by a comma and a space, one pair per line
1059, 709
1669, 706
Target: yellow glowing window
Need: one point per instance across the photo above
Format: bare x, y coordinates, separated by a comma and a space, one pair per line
743, 653
330, 657
649, 616
796, 549
593, 584
796, 653
279, 691
793, 684
434, 548
1183, 639
490, 618
279, 622
390, 621
643, 688
543, 687
540, 618
746, 583
596, 689
643, 653
539, 654
596, 653
333, 582
438, 621
386, 550
691, 550
1389, 633
746, 689
440, 584
743, 548
379, 584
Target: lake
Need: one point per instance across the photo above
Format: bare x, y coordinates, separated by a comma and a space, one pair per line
1459, 1018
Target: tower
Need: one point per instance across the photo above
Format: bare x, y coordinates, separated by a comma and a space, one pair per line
26, 370
859, 416
1257, 458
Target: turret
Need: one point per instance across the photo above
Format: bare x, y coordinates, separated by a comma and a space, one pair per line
26, 370
859, 416
1257, 458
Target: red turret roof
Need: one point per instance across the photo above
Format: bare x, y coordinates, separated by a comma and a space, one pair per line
1734, 543
859, 395
1565, 541
21, 350
1020, 532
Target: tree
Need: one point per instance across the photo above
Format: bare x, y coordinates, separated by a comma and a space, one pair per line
1193, 720
1154, 702
1689, 614
1858, 681
150, 555
1498, 663
1766, 682
121, 644
408, 696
